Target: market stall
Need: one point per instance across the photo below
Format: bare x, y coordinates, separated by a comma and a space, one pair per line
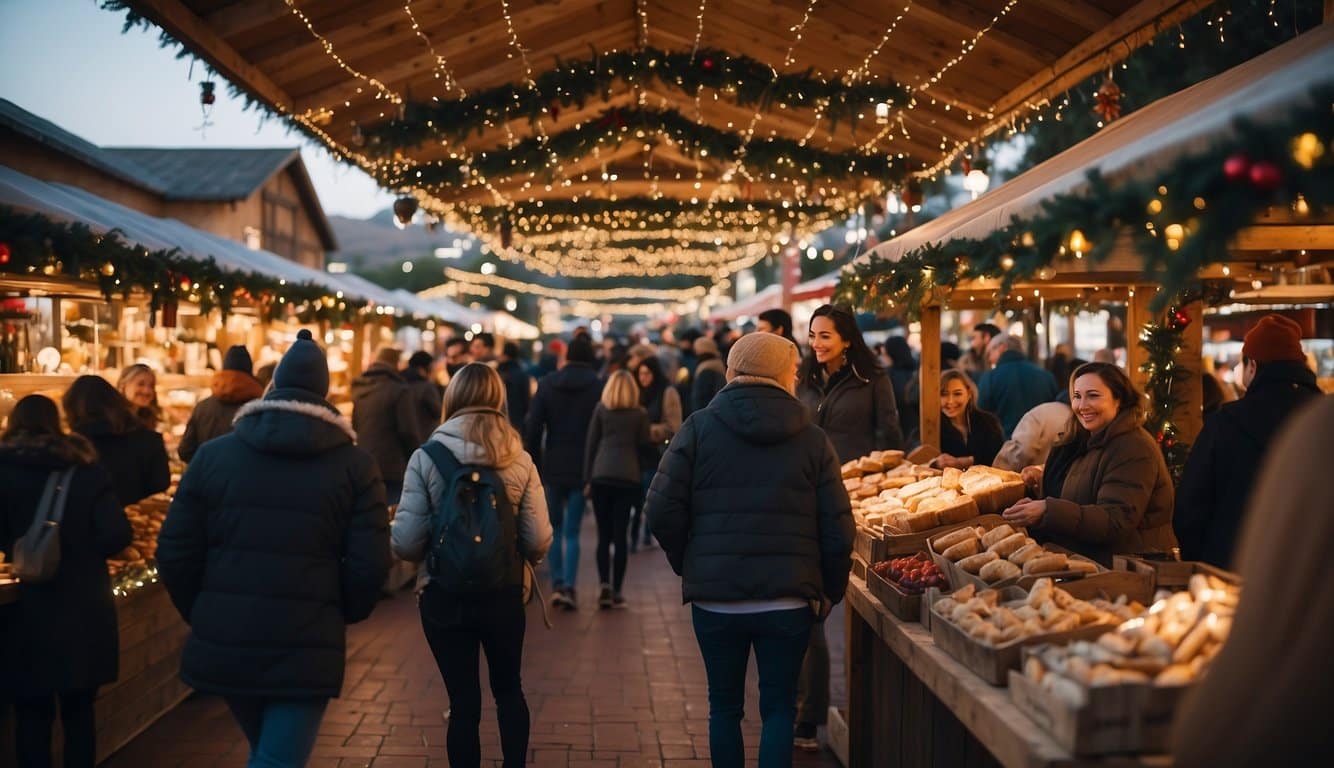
968, 686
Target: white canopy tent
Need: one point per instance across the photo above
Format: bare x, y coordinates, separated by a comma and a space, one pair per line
1146, 140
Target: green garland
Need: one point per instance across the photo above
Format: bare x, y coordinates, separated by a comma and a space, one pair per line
1162, 341
788, 160
38, 245
544, 217
1211, 196
752, 82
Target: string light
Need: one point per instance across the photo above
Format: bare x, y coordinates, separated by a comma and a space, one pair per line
441, 66
572, 294
642, 11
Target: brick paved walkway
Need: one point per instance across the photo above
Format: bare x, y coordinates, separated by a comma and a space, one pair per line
607, 689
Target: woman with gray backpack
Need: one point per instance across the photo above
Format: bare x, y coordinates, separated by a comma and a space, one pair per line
59, 641
474, 512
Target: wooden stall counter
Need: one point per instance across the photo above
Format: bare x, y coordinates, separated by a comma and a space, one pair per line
910, 704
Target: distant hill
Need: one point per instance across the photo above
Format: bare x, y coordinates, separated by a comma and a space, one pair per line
376, 242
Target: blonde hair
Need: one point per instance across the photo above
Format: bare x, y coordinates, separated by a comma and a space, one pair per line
150, 414
478, 390
956, 375
621, 392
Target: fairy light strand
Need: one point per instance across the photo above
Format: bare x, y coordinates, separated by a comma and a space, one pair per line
441, 66
574, 294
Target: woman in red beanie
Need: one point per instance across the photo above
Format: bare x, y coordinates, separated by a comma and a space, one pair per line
1230, 449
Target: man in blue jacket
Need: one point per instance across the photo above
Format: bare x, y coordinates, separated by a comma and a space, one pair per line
1015, 384
555, 434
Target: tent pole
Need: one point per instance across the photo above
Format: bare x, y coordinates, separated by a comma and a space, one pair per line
929, 400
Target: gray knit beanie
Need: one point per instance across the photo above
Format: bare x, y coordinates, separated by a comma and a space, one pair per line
762, 355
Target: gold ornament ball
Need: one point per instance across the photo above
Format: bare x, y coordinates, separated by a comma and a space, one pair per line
108, 269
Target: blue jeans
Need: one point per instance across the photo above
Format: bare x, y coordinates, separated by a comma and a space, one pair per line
725, 640
566, 507
281, 732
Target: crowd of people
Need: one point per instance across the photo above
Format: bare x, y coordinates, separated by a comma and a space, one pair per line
724, 448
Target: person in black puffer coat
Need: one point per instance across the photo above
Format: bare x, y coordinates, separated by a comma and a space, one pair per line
750, 510
232, 387
386, 420
131, 453
277, 538
1230, 450
60, 639
428, 398
556, 435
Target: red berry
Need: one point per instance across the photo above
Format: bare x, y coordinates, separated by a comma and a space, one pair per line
1265, 176
1236, 167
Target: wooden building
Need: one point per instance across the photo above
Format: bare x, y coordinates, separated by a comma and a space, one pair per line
261, 197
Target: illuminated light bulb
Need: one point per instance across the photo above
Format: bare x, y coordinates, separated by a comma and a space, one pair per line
1077, 242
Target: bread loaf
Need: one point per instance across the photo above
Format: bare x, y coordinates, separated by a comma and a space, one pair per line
945, 541
999, 570
963, 549
1026, 553
1009, 545
869, 464
973, 563
996, 534
960, 510
922, 521
850, 470
1048, 563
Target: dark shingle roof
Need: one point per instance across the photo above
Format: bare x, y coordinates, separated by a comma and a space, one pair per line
46, 132
208, 174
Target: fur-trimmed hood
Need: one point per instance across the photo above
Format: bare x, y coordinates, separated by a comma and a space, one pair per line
235, 387
292, 422
47, 451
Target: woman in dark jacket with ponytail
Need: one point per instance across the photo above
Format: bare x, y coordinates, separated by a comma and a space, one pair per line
60, 639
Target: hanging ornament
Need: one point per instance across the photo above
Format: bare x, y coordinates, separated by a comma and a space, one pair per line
169, 313
404, 209
1178, 318
206, 99
966, 165
1265, 176
5, 253
1237, 167
109, 269
707, 64
912, 193
1109, 100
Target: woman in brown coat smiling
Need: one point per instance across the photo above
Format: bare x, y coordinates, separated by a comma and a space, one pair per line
1104, 489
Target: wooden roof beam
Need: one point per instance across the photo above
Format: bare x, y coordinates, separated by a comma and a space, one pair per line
177, 20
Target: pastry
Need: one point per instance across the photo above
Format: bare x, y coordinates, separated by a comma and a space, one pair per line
973, 563
959, 510
966, 548
947, 540
868, 464
996, 534
999, 570
1087, 567
850, 470
1026, 553
1048, 563
949, 478
1009, 545
851, 484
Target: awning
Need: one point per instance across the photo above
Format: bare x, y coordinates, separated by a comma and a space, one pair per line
1264, 88
770, 297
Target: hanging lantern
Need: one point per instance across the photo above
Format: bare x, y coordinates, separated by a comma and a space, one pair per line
206, 95
169, 313
404, 209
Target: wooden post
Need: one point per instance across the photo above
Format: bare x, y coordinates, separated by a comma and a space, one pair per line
357, 364
1070, 335
1189, 416
1137, 315
929, 401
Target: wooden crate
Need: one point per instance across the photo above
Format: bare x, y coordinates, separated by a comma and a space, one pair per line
1172, 575
905, 606
868, 545
908, 543
994, 662
1113, 719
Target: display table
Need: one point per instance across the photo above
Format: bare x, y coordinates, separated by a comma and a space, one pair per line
910, 704
152, 635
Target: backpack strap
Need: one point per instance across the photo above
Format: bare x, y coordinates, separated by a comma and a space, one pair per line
444, 460
63, 483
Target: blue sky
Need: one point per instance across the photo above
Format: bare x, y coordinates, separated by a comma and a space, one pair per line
68, 62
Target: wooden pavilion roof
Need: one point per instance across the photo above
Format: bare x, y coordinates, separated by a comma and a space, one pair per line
960, 70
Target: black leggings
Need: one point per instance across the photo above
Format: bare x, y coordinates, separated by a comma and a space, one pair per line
611, 506
456, 626
33, 718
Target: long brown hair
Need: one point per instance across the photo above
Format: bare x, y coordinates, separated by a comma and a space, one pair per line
92, 398
1119, 386
477, 389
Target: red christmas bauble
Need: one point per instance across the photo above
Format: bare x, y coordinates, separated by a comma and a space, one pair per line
1180, 318
1237, 167
707, 65
1265, 176
4, 253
